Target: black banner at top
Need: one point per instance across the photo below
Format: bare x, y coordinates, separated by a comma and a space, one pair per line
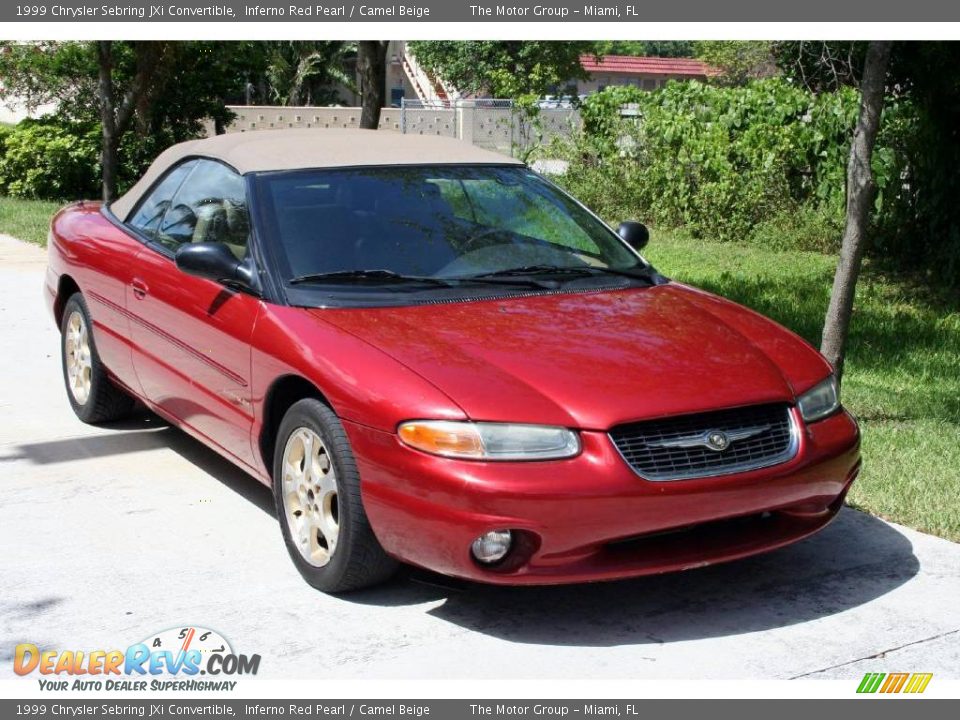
479, 11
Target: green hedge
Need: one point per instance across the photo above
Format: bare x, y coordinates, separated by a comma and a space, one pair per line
54, 158
5, 130
766, 163
719, 161
50, 159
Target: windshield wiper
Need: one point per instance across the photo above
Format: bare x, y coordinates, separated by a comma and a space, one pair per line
642, 273
581, 270
381, 274
496, 278
502, 277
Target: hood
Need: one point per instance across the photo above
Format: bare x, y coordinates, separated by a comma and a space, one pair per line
589, 360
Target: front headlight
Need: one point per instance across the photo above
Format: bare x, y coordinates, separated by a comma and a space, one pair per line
820, 400
489, 441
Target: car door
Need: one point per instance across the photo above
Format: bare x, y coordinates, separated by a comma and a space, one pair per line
99, 255
116, 256
192, 335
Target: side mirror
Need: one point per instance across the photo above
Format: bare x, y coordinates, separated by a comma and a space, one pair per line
212, 260
635, 234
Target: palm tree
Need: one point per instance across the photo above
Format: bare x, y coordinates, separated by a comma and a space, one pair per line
309, 72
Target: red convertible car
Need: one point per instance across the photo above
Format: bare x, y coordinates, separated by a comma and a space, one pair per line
437, 357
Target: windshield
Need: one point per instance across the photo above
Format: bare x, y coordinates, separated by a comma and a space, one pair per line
430, 222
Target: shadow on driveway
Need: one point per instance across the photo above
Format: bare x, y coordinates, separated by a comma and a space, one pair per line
856, 559
143, 432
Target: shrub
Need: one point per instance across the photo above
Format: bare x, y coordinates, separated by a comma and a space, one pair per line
600, 112
5, 130
55, 158
918, 220
802, 227
50, 159
719, 161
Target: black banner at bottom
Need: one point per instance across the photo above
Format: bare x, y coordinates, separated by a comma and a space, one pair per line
875, 709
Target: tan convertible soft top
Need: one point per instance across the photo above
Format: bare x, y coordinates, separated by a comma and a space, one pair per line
265, 150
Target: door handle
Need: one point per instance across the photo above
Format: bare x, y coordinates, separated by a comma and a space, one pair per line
139, 288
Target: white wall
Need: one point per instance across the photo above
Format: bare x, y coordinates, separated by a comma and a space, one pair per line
265, 117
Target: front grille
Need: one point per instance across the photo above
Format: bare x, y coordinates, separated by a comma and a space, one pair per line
677, 447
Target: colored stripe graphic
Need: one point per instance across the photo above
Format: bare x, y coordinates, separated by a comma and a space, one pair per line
918, 682
894, 682
871, 682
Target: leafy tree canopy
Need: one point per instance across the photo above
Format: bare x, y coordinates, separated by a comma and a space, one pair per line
737, 60
507, 69
646, 48
176, 98
919, 224
157, 91
305, 72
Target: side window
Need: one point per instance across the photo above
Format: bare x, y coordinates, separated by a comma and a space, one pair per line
146, 217
210, 206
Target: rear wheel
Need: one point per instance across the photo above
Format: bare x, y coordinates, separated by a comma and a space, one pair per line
316, 488
93, 396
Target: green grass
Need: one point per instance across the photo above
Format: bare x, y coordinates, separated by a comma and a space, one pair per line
27, 219
902, 376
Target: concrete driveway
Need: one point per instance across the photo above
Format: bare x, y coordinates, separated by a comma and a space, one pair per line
110, 534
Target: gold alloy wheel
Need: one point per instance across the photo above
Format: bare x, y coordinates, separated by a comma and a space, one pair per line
310, 496
76, 350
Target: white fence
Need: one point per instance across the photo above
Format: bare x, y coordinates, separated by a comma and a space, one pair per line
493, 124
279, 117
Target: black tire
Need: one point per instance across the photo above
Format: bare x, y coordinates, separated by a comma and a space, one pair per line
358, 561
105, 402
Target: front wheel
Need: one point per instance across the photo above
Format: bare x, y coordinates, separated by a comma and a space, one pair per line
316, 488
93, 396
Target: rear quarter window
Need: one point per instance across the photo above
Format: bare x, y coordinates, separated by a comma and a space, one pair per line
146, 216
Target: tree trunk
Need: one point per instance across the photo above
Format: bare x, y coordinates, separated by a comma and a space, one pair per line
372, 67
115, 116
108, 146
861, 192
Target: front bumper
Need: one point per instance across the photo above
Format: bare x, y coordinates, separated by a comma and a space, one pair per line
591, 517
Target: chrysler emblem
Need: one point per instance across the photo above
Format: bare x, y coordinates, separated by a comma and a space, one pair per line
717, 440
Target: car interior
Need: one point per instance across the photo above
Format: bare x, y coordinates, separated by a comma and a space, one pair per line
368, 225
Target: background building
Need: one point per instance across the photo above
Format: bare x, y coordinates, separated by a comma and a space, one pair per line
647, 73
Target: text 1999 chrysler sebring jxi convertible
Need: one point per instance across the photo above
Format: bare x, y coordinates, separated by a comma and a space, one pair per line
435, 356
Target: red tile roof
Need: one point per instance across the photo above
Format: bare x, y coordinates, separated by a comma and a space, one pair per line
627, 64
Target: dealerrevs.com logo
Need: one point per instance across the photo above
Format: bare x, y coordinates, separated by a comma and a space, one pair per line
169, 660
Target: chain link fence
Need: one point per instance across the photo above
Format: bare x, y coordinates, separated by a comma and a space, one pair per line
493, 124
436, 118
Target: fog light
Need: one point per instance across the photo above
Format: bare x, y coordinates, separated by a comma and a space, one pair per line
492, 546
